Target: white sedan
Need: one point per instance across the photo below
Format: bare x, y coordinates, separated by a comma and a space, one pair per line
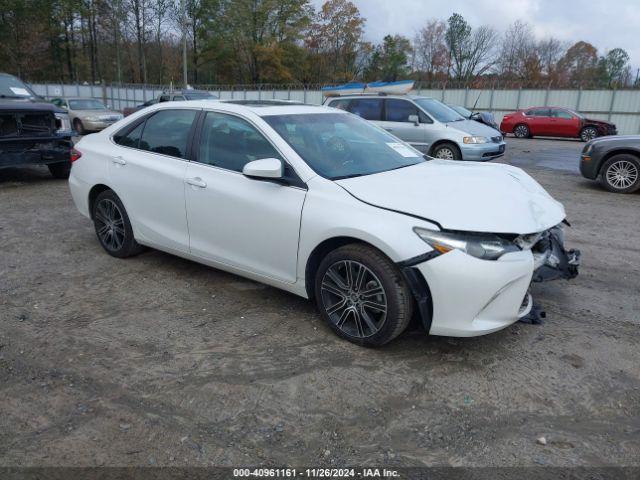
323, 204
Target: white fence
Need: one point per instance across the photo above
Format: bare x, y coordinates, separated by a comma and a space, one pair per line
621, 107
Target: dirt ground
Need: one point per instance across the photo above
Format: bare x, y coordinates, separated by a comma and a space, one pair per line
156, 360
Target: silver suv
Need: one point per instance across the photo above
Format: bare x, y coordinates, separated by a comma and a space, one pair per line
427, 124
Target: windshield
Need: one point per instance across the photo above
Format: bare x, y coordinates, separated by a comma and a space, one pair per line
340, 145
86, 104
438, 110
199, 95
11, 87
579, 115
461, 110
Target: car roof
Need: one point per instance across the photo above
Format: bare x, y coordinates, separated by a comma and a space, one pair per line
379, 95
261, 110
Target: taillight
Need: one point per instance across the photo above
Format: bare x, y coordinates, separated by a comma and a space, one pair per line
75, 155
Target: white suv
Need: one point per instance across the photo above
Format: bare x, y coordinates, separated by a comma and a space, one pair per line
325, 205
429, 125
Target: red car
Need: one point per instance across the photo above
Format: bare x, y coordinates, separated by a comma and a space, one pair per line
554, 122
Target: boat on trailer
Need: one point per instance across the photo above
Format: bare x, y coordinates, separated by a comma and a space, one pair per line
390, 88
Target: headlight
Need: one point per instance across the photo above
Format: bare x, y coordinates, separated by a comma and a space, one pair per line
62, 122
475, 139
587, 149
480, 245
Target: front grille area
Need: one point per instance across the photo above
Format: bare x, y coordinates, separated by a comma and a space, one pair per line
28, 124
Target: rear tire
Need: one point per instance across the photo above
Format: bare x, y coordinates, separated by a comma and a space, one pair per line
621, 174
522, 131
78, 127
362, 295
113, 227
588, 133
446, 151
60, 170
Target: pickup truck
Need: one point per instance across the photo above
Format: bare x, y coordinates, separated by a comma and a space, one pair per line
32, 130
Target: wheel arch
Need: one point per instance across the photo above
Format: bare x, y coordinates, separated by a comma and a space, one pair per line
322, 250
93, 194
613, 153
443, 141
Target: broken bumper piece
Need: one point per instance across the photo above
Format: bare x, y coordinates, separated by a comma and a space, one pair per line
551, 260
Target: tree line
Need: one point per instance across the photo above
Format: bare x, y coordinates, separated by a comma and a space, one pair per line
282, 42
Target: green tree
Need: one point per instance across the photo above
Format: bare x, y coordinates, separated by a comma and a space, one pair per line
389, 61
471, 50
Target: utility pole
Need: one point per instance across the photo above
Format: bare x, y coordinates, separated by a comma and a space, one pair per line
183, 7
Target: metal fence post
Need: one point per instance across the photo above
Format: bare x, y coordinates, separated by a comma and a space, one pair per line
493, 89
46, 90
613, 99
518, 98
104, 91
305, 95
578, 99
466, 96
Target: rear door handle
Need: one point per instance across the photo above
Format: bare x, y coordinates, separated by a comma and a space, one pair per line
196, 182
119, 160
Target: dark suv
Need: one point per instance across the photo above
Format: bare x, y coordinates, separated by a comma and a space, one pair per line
32, 131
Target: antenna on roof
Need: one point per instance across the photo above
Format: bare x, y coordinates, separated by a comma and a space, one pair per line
474, 105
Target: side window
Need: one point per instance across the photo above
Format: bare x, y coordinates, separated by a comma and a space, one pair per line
399, 110
538, 112
167, 132
561, 114
164, 98
342, 104
230, 142
367, 108
130, 139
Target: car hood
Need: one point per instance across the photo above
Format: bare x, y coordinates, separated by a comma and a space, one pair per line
470, 196
471, 127
598, 122
31, 104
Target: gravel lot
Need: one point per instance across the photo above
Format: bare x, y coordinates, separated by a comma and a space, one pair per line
156, 360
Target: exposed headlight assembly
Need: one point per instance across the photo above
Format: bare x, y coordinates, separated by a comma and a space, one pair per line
62, 122
480, 245
475, 139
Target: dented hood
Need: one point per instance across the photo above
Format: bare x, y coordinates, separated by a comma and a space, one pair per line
476, 197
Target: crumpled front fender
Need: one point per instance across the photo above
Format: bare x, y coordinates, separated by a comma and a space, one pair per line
556, 262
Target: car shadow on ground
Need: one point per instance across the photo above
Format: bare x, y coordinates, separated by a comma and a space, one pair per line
25, 175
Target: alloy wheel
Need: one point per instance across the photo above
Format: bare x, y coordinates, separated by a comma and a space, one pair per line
354, 298
589, 133
521, 131
622, 174
110, 224
445, 153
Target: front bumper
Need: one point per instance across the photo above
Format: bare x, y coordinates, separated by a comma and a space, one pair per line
97, 125
462, 296
482, 152
23, 151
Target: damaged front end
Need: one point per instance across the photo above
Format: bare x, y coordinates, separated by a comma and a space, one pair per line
551, 262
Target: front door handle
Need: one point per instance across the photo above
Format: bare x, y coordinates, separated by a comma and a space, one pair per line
119, 160
388, 129
196, 182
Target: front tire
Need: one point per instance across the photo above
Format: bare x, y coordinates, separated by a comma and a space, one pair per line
621, 174
60, 170
446, 151
522, 131
588, 133
362, 295
113, 227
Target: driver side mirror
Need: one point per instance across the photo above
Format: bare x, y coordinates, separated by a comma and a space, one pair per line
415, 119
267, 168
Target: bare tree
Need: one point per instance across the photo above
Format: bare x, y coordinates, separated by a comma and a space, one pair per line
550, 51
518, 51
430, 49
471, 51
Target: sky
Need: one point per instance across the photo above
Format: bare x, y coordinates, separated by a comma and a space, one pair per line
606, 24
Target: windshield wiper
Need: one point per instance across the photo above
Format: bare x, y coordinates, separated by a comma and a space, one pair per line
12, 96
